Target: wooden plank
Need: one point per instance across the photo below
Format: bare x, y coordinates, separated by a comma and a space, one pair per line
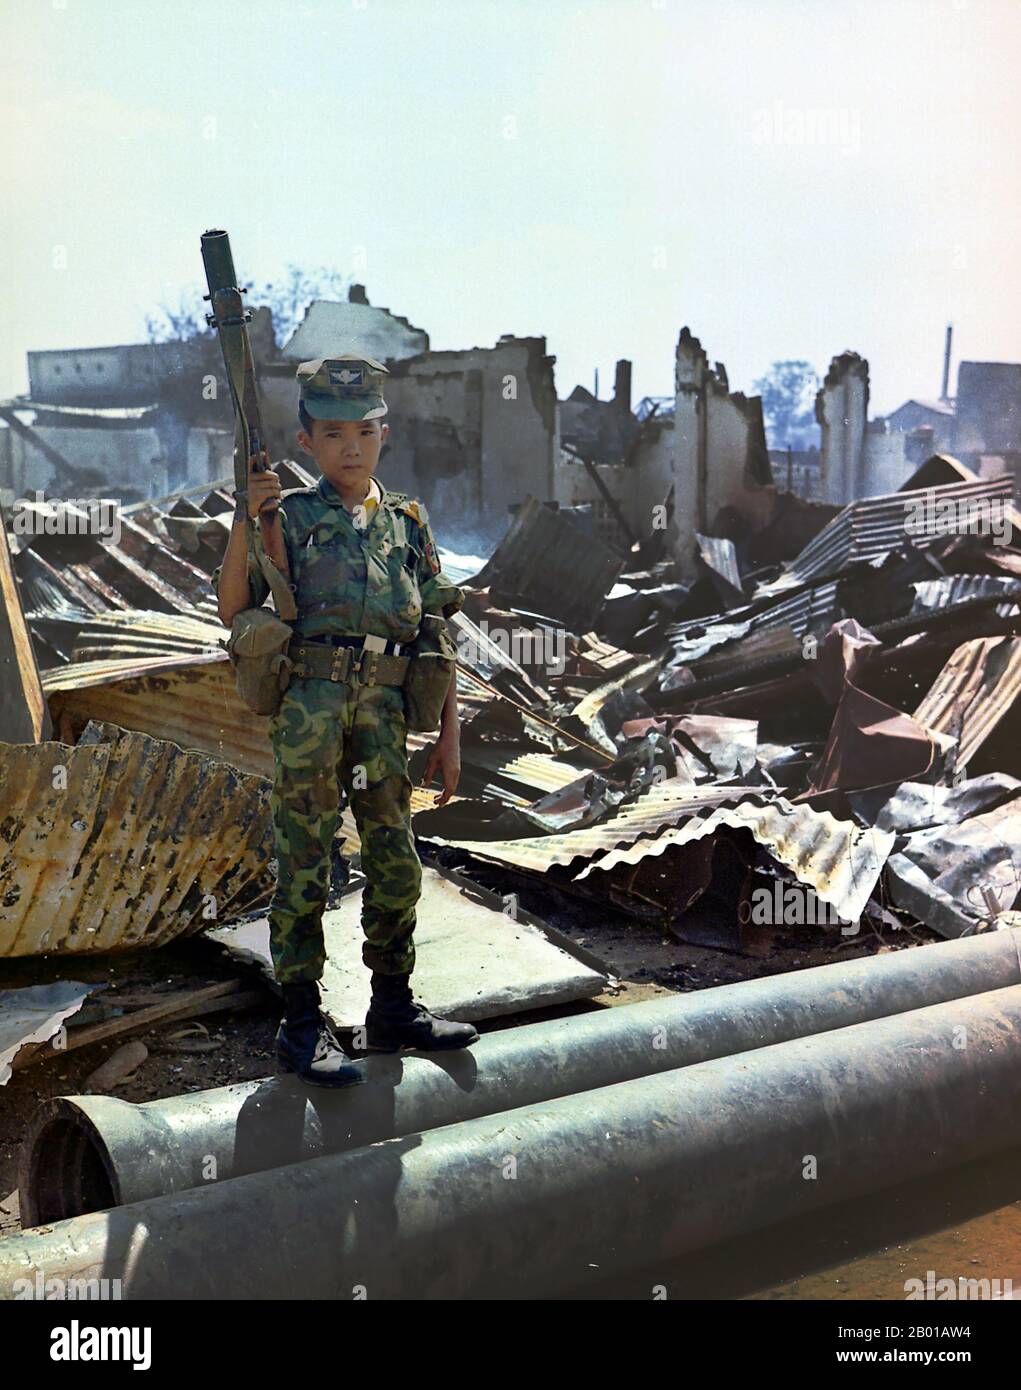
24, 714
228, 994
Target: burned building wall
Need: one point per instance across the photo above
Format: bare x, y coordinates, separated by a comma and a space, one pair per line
129, 464
475, 431
107, 462
841, 408
720, 459
472, 433
434, 451
650, 505
330, 328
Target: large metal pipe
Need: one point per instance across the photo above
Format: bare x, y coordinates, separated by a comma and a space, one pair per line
85, 1153
531, 1202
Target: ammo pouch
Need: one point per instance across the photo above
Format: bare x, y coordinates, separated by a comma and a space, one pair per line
433, 658
257, 645
257, 648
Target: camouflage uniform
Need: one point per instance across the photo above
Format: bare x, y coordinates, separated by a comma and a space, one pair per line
374, 571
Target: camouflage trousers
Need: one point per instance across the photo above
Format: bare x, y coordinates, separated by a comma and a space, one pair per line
327, 735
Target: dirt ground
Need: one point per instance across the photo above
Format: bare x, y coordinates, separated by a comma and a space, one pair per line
643, 962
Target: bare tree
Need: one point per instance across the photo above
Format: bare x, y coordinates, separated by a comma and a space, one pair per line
287, 298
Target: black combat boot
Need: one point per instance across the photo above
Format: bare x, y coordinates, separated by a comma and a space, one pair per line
395, 1021
305, 1044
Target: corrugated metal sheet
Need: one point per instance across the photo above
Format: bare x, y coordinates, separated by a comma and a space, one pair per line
192, 702
975, 689
934, 594
487, 658
810, 610
549, 564
720, 555
872, 526
841, 861
537, 772
130, 845
119, 644
663, 805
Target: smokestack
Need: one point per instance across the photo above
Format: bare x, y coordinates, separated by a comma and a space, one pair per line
595, 388
945, 393
622, 386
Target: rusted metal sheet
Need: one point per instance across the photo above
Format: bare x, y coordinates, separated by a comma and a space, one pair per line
147, 549
192, 701
973, 692
49, 589
108, 846
870, 743
588, 712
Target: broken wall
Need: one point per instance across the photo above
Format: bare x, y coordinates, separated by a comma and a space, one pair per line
108, 462
330, 328
720, 459
126, 464
841, 407
471, 433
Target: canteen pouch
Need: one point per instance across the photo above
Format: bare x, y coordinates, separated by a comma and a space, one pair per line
258, 640
433, 658
257, 648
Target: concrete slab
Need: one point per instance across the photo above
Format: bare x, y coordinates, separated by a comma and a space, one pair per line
474, 959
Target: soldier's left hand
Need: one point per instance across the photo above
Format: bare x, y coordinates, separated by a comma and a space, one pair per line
445, 758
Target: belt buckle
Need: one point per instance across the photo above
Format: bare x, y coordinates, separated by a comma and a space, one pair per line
341, 658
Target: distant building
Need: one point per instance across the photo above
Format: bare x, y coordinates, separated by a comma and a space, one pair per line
988, 409
918, 414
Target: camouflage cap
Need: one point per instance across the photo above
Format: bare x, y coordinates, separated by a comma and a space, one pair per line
348, 387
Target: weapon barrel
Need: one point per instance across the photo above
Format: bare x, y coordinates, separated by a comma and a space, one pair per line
230, 319
218, 261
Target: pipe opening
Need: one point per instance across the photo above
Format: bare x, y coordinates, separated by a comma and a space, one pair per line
68, 1173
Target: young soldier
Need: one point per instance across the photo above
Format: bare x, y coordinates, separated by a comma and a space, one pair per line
364, 567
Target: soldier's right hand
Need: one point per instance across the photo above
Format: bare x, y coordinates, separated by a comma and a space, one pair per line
263, 487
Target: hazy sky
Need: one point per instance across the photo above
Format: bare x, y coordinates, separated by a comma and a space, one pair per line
788, 177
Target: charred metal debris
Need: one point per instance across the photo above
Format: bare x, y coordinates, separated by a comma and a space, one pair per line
727, 749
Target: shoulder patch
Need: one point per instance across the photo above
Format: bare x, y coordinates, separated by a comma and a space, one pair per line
414, 509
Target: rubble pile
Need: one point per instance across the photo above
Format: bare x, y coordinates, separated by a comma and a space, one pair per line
824, 740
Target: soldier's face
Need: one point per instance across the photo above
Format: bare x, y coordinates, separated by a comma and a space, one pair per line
346, 451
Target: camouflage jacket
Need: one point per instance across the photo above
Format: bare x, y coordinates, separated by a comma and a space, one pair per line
378, 580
